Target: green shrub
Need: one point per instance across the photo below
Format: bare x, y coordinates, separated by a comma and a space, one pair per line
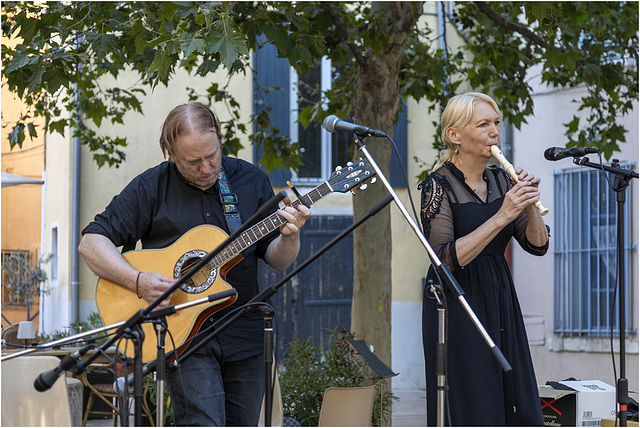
92, 322
308, 370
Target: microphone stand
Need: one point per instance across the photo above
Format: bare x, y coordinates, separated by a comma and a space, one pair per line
443, 271
262, 298
620, 185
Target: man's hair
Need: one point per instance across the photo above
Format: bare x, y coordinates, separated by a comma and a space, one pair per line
185, 119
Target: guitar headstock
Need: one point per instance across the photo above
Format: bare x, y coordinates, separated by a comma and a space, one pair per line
353, 174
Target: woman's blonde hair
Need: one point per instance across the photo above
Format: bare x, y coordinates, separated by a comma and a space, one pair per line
183, 120
456, 115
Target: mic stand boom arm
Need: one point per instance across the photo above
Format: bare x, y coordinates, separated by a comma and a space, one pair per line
442, 270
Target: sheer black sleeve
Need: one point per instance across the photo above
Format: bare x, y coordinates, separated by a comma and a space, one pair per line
437, 219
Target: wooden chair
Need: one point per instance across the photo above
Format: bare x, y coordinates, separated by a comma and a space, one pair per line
107, 394
347, 407
10, 336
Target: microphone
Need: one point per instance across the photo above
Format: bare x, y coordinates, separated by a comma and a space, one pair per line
123, 383
333, 124
45, 380
557, 153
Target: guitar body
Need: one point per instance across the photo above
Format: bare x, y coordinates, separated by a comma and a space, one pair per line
117, 303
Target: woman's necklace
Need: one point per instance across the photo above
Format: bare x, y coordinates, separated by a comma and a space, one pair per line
475, 189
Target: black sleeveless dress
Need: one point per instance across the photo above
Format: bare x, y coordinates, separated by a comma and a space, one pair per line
480, 393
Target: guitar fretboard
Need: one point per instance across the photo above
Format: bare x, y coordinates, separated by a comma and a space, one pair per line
265, 227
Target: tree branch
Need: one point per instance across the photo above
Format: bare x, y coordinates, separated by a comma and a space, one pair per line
355, 50
501, 22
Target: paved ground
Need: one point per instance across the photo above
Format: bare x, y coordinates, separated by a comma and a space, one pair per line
408, 411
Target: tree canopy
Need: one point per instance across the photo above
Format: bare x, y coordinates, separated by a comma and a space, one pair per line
64, 47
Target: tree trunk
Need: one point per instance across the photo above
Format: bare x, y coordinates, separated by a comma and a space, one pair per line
376, 105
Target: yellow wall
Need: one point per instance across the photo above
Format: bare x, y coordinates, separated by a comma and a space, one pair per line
22, 204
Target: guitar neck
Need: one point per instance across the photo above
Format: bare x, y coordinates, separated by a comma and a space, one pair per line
265, 227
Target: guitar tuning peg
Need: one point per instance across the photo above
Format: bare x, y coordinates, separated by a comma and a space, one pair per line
349, 163
352, 192
338, 168
364, 186
373, 180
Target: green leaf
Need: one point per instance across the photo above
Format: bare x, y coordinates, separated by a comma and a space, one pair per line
103, 44
189, 44
21, 60
227, 40
161, 64
32, 130
16, 136
573, 125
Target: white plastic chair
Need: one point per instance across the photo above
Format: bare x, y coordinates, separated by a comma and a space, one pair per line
347, 407
23, 405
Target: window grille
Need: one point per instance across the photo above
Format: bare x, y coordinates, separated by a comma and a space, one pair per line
8, 295
585, 254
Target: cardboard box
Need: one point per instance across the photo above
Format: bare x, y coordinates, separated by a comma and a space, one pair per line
582, 404
609, 423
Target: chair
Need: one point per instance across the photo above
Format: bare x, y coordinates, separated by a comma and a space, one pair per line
277, 415
22, 404
347, 407
107, 393
10, 336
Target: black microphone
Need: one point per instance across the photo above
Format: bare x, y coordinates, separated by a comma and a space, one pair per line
45, 380
557, 153
333, 123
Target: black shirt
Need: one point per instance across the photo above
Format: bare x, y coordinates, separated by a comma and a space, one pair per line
158, 206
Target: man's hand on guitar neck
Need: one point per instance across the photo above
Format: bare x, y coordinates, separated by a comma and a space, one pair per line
151, 285
283, 250
295, 217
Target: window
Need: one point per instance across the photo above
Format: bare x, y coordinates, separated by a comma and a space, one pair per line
320, 150
585, 258
17, 261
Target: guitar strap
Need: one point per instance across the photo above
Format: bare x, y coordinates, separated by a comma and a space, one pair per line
229, 201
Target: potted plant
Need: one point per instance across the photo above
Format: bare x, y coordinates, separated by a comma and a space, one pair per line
308, 370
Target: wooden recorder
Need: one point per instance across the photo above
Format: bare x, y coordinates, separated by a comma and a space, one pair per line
495, 151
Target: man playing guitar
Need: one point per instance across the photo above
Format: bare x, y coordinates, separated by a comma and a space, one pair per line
223, 383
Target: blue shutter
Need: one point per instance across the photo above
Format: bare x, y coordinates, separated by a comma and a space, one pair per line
400, 136
272, 71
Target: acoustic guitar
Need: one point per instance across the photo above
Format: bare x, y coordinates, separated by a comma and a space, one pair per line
117, 303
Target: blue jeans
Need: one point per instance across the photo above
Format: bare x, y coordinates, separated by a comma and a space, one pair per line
208, 391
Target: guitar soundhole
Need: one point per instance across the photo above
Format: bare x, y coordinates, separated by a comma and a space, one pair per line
200, 280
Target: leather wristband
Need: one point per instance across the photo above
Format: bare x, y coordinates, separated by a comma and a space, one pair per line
137, 284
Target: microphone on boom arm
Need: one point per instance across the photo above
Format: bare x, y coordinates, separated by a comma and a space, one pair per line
557, 153
333, 124
45, 380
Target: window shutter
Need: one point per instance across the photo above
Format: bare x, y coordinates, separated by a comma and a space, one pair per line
272, 71
400, 135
